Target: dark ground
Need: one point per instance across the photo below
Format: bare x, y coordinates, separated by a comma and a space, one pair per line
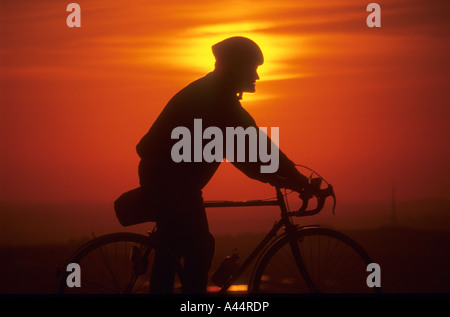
412, 261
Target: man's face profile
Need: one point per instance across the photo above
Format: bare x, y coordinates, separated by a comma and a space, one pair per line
245, 77
249, 78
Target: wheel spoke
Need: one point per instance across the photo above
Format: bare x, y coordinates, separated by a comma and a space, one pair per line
105, 266
334, 263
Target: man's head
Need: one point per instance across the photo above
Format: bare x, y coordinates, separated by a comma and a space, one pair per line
238, 58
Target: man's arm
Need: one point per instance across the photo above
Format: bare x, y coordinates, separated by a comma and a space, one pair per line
286, 176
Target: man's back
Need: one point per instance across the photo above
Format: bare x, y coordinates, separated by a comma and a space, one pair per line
207, 99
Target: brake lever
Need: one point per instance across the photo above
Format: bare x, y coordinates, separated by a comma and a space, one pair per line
321, 197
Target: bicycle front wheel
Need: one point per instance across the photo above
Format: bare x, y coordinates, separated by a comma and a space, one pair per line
333, 262
112, 264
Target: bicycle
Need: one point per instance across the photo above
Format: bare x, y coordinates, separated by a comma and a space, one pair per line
290, 259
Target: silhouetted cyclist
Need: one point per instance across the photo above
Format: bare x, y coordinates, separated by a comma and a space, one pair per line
176, 188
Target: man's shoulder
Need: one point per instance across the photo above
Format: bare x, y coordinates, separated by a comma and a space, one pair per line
204, 91
200, 85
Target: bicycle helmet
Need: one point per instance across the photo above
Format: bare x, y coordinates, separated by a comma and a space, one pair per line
238, 50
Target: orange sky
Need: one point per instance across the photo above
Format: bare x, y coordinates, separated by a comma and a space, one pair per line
365, 107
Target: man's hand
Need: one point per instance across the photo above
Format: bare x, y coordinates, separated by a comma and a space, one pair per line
312, 188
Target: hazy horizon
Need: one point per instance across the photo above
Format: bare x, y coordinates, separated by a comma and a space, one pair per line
48, 223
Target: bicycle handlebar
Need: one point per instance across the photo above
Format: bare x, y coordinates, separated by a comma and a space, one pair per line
321, 195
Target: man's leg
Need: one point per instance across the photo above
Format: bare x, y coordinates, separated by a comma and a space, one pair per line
163, 273
183, 228
197, 262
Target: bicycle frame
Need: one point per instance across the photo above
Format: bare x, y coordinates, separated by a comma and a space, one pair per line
285, 235
285, 221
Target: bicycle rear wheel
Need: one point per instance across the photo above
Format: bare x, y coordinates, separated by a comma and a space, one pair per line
334, 263
112, 264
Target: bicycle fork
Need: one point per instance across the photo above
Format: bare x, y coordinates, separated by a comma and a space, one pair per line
292, 237
291, 232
